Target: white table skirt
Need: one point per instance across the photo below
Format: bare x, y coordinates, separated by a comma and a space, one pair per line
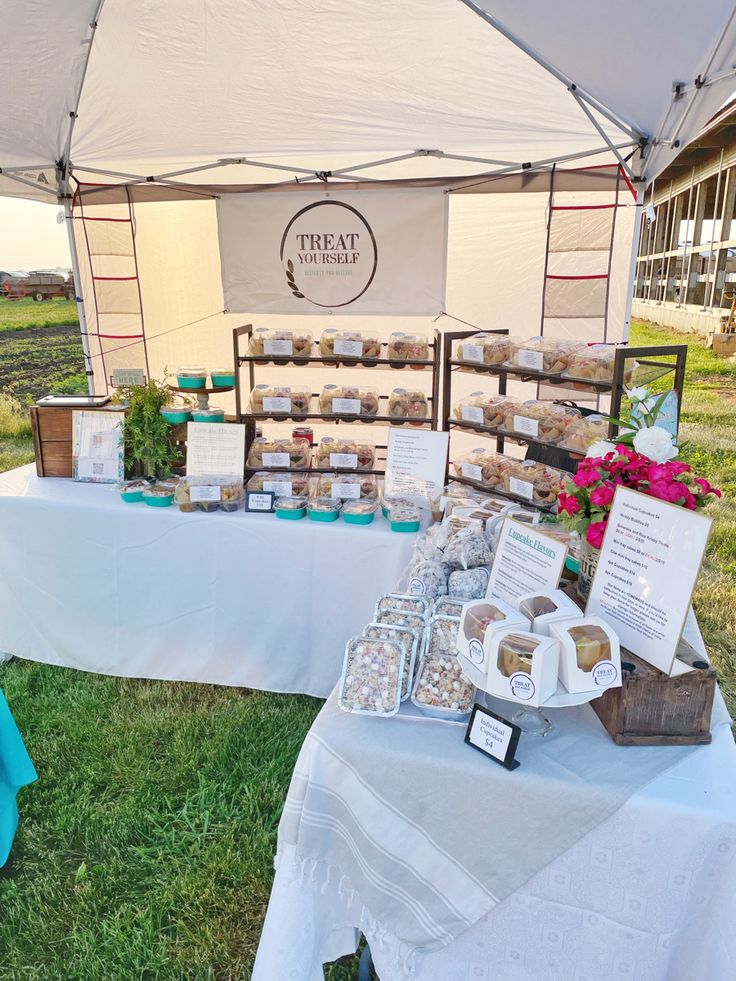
237, 599
649, 894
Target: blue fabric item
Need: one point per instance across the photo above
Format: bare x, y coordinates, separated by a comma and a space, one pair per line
16, 770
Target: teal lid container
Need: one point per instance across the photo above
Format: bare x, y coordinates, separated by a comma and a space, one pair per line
404, 519
131, 491
360, 512
175, 414
222, 377
290, 508
208, 415
159, 496
191, 376
324, 509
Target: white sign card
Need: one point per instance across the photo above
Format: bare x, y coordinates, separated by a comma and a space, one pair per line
374, 252
494, 736
416, 463
526, 561
215, 449
97, 446
650, 559
127, 376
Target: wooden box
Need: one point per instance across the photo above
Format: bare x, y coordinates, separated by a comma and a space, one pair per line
52, 440
652, 709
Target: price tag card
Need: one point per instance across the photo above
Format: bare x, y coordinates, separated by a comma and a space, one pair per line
276, 460
352, 348
345, 492
259, 501
348, 406
274, 346
416, 462
522, 488
530, 359
473, 413
472, 471
493, 736
526, 561
347, 461
473, 352
281, 488
648, 566
204, 493
274, 404
529, 427
215, 448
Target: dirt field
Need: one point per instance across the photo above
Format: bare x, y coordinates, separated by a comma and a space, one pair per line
34, 360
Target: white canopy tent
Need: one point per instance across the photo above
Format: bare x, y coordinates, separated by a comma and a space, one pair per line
183, 102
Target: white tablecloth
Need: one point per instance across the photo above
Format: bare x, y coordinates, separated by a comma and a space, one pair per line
89, 582
645, 891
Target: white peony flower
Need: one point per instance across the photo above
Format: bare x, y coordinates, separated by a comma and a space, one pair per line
637, 394
600, 448
655, 443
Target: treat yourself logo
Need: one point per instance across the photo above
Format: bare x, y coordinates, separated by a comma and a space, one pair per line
329, 254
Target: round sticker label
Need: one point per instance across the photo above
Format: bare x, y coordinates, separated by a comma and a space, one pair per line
417, 586
522, 686
605, 673
476, 652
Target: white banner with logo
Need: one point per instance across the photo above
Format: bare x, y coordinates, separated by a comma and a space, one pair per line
369, 252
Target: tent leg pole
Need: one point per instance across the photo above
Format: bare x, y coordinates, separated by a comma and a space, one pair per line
632, 264
69, 218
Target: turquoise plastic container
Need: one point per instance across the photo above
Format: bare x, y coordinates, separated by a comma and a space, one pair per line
175, 415
132, 491
208, 415
404, 519
405, 525
359, 512
158, 500
324, 509
291, 508
187, 381
222, 380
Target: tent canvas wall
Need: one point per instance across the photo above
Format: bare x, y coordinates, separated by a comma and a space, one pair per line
141, 94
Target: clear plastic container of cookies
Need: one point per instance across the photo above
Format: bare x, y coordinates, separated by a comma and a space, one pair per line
404, 347
405, 602
548, 354
543, 421
267, 342
348, 400
371, 677
279, 454
209, 494
486, 349
349, 344
280, 400
535, 482
582, 433
346, 486
594, 363
345, 454
281, 483
482, 409
408, 404
408, 640
484, 467
441, 690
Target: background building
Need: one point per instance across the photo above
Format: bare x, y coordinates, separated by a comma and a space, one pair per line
686, 270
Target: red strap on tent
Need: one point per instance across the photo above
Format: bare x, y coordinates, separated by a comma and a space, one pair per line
600, 276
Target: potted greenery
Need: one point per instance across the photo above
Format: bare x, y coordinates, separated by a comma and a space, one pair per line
147, 433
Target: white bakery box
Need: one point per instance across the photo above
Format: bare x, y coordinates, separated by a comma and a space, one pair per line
480, 619
590, 654
518, 665
542, 609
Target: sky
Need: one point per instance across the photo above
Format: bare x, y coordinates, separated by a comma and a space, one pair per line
30, 237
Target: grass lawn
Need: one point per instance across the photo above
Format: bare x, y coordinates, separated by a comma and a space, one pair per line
145, 850
20, 314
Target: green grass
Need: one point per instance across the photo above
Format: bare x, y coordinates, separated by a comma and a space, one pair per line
20, 314
145, 850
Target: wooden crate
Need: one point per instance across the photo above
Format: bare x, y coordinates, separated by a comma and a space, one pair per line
652, 709
52, 440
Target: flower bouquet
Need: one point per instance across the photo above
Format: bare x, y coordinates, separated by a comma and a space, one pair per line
585, 503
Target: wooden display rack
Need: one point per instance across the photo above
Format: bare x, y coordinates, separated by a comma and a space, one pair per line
241, 342
647, 357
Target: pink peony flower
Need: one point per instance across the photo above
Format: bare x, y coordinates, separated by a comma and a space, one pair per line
603, 495
568, 503
586, 476
595, 532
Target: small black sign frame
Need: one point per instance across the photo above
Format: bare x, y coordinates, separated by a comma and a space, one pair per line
483, 745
